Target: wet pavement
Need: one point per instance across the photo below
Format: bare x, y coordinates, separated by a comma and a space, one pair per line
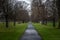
30, 33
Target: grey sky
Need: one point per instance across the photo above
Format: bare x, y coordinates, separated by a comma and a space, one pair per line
29, 6
29, 2
43, 1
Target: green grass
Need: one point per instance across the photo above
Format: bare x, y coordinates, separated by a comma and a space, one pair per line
47, 32
4, 29
12, 33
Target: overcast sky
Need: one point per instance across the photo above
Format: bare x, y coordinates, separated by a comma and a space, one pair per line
29, 2
43, 1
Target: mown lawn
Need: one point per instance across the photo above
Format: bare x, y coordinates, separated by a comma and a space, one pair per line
47, 32
12, 33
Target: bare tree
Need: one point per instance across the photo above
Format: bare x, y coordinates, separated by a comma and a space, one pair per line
58, 6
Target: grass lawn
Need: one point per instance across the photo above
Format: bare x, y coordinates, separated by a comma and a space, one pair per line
12, 33
47, 32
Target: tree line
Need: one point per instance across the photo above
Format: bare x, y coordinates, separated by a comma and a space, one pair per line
46, 11
13, 11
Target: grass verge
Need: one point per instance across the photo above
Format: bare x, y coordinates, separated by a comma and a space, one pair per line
47, 31
12, 33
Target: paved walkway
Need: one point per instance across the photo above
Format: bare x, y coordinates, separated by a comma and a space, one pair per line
30, 34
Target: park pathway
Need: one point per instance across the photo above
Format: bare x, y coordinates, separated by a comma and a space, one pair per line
30, 33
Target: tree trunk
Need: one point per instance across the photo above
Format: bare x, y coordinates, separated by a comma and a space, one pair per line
23, 21
6, 17
45, 21
54, 14
14, 22
59, 20
58, 7
59, 24
54, 22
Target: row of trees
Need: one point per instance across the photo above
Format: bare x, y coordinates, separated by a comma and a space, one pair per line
45, 11
12, 10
